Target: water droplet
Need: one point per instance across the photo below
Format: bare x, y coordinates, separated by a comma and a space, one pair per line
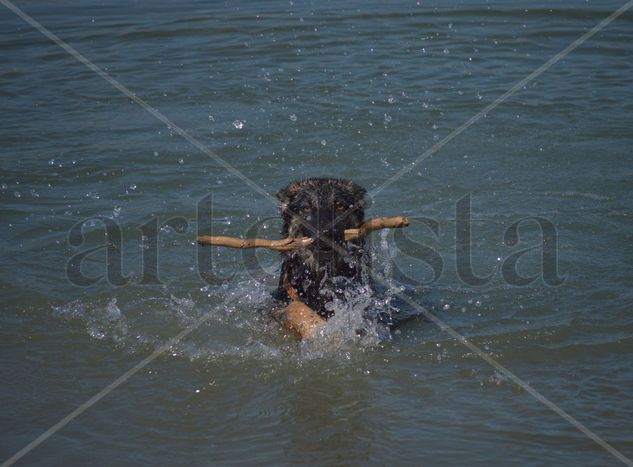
323, 142
238, 124
293, 117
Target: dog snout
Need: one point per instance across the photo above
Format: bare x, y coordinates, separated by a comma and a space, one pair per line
324, 227
330, 235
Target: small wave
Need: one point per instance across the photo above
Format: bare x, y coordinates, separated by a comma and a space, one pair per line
576, 194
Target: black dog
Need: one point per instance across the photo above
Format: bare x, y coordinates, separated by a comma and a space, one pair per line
322, 208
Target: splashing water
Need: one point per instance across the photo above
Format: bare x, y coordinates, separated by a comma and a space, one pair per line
357, 323
361, 315
387, 274
101, 322
241, 325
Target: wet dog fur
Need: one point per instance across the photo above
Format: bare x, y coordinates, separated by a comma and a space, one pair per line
322, 208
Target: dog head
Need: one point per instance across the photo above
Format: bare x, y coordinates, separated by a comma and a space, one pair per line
322, 208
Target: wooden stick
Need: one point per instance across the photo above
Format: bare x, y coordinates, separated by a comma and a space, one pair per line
289, 244
286, 244
376, 224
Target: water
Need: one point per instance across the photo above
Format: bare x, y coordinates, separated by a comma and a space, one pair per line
285, 90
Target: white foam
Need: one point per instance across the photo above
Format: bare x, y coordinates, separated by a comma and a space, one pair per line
241, 325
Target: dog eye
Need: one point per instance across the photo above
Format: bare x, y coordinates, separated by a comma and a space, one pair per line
340, 208
307, 209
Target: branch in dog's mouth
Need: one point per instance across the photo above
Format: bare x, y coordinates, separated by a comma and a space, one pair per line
289, 244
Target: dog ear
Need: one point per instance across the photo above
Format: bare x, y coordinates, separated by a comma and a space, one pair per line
286, 195
360, 195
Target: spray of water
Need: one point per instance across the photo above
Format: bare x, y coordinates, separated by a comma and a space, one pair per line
242, 326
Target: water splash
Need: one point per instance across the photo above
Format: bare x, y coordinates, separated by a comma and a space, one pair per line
241, 327
357, 324
101, 322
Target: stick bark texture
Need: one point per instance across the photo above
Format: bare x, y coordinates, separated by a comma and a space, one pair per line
289, 244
